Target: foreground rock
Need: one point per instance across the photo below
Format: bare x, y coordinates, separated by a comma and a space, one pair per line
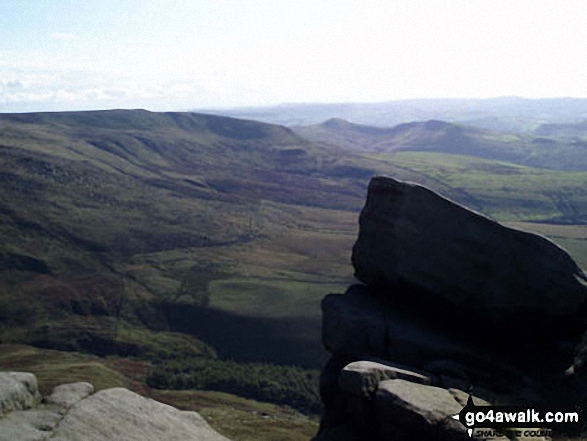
360, 325
121, 414
18, 391
362, 378
421, 412
66, 395
375, 401
73, 412
454, 306
441, 253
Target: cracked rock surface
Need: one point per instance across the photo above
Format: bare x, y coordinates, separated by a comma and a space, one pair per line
75, 412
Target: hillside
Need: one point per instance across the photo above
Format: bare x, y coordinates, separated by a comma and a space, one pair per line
149, 207
200, 246
574, 130
443, 137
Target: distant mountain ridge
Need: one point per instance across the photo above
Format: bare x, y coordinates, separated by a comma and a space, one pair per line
122, 119
384, 139
445, 137
509, 114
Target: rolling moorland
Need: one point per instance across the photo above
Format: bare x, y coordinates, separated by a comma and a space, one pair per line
184, 255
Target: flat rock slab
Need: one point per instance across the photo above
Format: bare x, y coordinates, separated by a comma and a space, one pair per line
121, 415
72, 413
412, 237
29, 425
419, 409
362, 378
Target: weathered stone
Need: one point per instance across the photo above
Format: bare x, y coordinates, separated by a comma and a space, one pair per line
333, 398
29, 425
361, 378
71, 413
18, 391
361, 325
445, 256
418, 409
66, 395
119, 414
468, 305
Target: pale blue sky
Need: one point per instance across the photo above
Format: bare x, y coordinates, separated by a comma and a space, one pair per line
178, 55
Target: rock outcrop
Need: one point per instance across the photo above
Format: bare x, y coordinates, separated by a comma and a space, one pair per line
452, 305
75, 412
18, 391
446, 255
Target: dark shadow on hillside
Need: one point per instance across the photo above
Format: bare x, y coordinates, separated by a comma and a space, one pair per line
287, 341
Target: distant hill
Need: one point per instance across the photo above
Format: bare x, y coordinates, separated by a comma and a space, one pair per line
432, 134
443, 137
576, 130
507, 114
84, 123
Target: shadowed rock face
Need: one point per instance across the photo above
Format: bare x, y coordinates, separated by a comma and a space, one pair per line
454, 305
360, 324
442, 253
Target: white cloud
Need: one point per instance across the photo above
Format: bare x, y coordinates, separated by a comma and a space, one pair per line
38, 82
230, 53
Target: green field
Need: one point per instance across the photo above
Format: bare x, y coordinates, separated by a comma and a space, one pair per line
504, 191
270, 298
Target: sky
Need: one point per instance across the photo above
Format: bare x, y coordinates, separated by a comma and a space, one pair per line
188, 54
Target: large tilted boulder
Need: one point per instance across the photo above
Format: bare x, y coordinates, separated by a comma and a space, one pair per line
452, 306
447, 256
73, 412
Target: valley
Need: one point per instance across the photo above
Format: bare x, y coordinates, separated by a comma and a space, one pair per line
153, 246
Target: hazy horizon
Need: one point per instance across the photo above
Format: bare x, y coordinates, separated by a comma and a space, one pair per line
74, 55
